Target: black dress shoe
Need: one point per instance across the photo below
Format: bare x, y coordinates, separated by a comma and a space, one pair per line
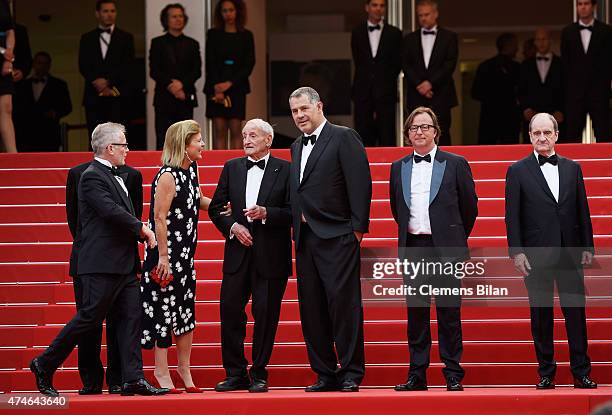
322, 386
453, 385
114, 390
258, 385
91, 390
233, 384
44, 381
584, 382
141, 387
349, 386
546, 382
413, 384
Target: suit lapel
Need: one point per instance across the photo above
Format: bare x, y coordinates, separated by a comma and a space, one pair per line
596, 35
296, 161
563, 178
437, 174
532, 164
242, 181
419, 50
317, 150
268, 180
124, 197
406, 181
435, 51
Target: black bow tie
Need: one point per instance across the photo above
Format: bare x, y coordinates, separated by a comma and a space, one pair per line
418, 159
100, 30
261, 164
114, 170
429, 32
552, 159
589, 28
307, 138
38, 80
543, 58
373, 28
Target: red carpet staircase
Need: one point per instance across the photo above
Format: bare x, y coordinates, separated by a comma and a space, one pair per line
36, 296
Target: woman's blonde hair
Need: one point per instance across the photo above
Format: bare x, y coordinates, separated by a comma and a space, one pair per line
177, 139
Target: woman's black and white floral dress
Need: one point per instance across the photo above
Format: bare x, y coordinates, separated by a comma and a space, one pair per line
172, 309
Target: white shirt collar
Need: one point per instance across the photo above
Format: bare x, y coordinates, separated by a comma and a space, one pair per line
103, 161
435, 29
318, 130
590, 24
112, 28
432, 153
266, 158
536, 154
381, 23
544, 55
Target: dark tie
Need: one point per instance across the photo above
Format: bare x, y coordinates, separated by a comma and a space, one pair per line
261, 164
429, 32
589, 28
543, 58
552, 159
418, 159
100, 30
114, 170
307, 138
373, 28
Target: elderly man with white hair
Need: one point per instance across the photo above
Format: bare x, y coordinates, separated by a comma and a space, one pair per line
107, 264
257, 260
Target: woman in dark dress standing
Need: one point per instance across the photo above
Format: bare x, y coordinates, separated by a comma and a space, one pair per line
230, 57
7, 42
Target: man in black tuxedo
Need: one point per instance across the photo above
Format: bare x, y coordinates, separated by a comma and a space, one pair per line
587, 64
433, 200
90, 365
376, 48
41, 101
331, 190
541, 83
107, 262
257, 259
550, 238
429, 58
106, 55
495, 87
175, 65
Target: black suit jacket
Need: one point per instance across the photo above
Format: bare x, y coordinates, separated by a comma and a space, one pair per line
439, 72
376, 76
107, 229
541, 96
587, 75
30, 114
272, 240
453, 204
335, 193
535, 219
115, 67
174, 59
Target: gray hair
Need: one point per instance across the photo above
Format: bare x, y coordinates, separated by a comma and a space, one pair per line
261, 125
550, 117
313, 96
104, 134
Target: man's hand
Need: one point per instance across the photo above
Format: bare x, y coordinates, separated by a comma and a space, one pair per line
243, 234
175, 86
100, 84
180, 95
219, 97
256, 212
223, 86
358, 235
17, 75
587, 258
50, 115
528, 114
148, 235
558, 116
227, 210
521, 264
424, 88
7, 68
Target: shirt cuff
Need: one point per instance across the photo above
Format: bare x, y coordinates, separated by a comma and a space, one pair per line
231, 232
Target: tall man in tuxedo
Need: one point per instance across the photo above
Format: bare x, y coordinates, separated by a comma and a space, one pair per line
107, 262
41, 101
429, 58
376, 48
587, 63
550, 238
175, 65
257, 260
433, 200
106, 55
541, 83
90, 365
331, 190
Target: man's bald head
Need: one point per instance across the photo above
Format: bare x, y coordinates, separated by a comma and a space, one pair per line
542, 40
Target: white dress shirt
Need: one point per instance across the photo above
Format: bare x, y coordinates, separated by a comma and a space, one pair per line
427, 43
585, 35
551, 174
543, 65
118, 178
37, 88
420, 184
105, 39
307, 149
374, 36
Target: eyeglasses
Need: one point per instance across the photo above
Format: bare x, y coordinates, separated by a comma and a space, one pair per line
424, 128
119, 144
545, 133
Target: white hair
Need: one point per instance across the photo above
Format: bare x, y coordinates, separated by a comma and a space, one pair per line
260, 125
105, 134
